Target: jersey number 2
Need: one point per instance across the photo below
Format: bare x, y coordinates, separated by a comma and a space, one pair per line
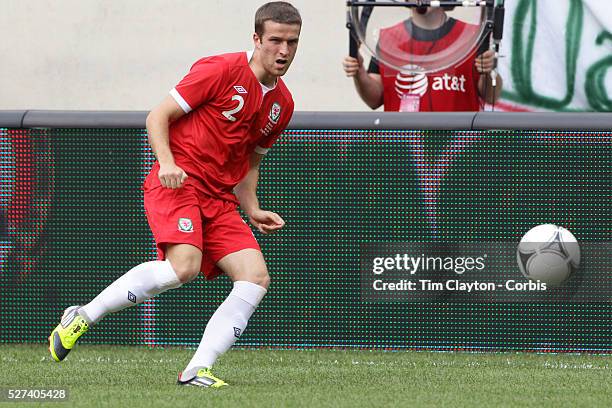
230, 113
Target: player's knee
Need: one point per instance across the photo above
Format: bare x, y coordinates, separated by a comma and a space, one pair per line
186, 261
247, 265
187, 274
261, 278
186, 269
258, 276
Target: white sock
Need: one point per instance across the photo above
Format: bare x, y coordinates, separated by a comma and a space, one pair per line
226, 325
139, 284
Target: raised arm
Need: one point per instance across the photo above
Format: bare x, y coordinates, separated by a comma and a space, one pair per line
369, 86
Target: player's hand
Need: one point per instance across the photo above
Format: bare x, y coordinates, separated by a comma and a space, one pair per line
352, 66
485, 62
266, 222
171, 176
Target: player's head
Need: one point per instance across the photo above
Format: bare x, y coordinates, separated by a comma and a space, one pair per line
277, 31
276, 11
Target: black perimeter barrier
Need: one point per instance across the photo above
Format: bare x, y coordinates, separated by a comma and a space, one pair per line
351, 186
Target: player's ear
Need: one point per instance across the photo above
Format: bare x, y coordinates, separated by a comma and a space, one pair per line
256, 40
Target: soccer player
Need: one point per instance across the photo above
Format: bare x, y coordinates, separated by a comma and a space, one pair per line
209, 137
430, 30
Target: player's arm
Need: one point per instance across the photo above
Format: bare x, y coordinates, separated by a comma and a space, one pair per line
158, 125
485, 63
246, 192
369, 85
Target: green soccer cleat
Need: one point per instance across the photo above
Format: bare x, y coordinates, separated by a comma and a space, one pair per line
204, 378
62, 338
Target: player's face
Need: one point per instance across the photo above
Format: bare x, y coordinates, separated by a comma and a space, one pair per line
277, 47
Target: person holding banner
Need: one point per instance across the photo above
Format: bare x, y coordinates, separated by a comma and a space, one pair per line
465, 87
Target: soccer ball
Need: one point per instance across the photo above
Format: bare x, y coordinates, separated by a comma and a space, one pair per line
548, 253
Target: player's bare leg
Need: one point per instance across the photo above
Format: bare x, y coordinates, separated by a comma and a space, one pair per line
185, 259
247, 269
246, 265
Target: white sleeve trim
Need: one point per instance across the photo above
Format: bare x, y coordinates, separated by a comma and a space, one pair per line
261, 150
179, 99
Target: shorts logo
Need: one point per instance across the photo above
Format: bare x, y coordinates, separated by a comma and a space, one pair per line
185, 225
275, 112
237, 332
240, 89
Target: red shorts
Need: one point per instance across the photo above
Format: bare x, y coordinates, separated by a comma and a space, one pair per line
187, 216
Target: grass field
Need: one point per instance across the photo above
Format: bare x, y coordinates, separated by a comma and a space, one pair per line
140, 377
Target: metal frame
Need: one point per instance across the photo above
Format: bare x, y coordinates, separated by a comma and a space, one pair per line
579, 121
421, 3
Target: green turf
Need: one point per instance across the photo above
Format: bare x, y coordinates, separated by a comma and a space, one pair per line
139, 377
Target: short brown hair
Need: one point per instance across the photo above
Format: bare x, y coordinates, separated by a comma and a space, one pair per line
277, 11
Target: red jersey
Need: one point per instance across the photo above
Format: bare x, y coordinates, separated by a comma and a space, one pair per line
229, 116
452, 89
